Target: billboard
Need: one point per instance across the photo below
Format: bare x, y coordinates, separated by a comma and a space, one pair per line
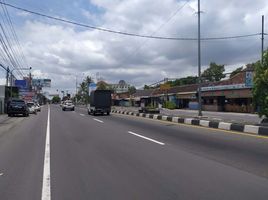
92, 87
21, 84
41, 82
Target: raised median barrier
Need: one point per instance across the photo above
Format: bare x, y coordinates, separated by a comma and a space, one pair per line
253, 129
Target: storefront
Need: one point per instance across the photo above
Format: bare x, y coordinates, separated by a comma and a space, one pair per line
229, 98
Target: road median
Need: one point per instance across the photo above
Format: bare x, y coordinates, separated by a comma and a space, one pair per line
244, 128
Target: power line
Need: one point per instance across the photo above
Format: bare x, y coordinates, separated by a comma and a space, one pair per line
22, 56
124, 33
161, 26
10, 47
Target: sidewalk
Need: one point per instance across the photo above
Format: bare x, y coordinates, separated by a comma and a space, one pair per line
244, 118
3, 118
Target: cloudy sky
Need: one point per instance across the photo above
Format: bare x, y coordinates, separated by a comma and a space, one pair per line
64, 52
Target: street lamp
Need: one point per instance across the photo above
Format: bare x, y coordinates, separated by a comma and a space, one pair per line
11, 78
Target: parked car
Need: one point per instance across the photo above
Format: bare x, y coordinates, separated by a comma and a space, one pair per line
16, 107
32, 108
68, 105
38, 107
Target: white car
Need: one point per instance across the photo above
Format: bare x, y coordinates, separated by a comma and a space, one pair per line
68, 105
37, 107
32, 108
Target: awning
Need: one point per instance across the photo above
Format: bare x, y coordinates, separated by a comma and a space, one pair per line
186, 95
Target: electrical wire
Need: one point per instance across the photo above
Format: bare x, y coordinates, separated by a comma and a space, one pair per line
10, 46
136, 50
125, 33
19, 48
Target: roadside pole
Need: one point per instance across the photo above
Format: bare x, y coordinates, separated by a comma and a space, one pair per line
199, 65
262, 39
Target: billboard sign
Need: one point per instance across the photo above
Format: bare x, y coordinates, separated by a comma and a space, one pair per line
92, 87
21, 84
41, 82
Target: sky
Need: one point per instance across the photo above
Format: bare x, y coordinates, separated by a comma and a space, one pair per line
66, 53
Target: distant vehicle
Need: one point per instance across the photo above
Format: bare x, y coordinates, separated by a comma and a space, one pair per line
100, 102
32, 107
16, 107
68, 105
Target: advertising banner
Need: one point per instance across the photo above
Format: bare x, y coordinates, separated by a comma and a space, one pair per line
41, 82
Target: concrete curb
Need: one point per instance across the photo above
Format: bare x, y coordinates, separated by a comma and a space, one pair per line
257, 130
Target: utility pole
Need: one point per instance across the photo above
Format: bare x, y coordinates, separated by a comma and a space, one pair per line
7, 76
199, 65
262, 39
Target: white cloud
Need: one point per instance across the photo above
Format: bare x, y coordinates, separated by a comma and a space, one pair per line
56, 50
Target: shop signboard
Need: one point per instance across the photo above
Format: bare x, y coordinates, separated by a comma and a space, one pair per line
249, 79
225, 87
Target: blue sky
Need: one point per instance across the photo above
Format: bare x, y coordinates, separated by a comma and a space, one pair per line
62, 52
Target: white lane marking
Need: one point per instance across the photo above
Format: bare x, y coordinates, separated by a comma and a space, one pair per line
82, 114
1, 174
98, 120
46, 193
146, 138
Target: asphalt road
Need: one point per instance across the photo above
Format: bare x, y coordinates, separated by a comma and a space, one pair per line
77, 156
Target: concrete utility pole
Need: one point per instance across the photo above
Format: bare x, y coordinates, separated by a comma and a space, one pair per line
7, 76
199, 64
262, 39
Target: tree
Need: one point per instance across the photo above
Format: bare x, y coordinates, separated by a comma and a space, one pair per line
184, 81
236, 71
102, 86
214, 72
56, 99
131, 90
83, 90
260, 86
146, 87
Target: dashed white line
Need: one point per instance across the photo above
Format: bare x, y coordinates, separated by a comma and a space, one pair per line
46, 193
146, 138
82, 114
98, 120
1, 174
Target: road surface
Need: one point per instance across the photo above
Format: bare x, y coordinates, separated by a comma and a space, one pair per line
82, 157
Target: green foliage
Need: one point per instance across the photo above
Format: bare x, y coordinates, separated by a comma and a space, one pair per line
56, 99
214, 72
184, 81
102, 86
146, 87
83, 90
236, 71
150, 106
260, 87
169, 105
131, 90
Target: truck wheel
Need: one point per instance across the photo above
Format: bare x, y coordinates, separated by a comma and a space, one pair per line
108, 113
88, 112
94, 113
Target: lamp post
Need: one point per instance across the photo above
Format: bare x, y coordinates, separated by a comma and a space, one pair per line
11, 78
